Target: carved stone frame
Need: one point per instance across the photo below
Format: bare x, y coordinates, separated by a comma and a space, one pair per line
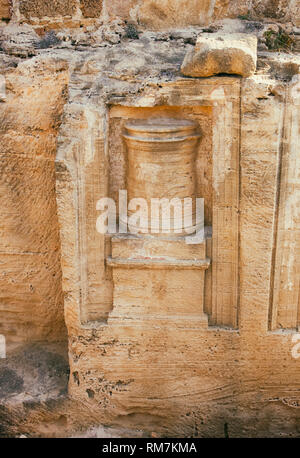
82, 179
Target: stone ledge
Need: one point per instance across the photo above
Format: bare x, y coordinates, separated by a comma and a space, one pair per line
179, 322
129, 246
184, 264
221, 53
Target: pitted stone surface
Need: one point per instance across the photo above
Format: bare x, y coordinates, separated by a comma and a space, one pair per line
91, 8
5, 9
173, 377
40, 8
215, 54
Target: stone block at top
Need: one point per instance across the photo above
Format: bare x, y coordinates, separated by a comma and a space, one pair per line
91, 8
5, 9
221, 53
53, 8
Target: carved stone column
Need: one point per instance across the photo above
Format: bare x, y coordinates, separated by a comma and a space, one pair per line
159, 279
161, 165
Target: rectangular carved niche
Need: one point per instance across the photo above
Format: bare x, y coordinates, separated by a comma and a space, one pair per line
99, 171
285, 305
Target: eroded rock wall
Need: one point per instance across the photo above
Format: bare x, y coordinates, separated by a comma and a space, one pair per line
5, 10
149, 14
65, 101
31, 305
171, 376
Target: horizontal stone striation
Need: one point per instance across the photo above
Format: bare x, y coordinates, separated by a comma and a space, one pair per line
31, 302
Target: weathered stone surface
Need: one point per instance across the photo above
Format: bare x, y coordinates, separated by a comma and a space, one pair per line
166, 14
137, 354
284, 66
261, 129
294, 13
31, 302
34, 371
91, 8
163, 14
285, 306
276, 9
124, 10
231, 8
141, 376
233, 54
150, 14
19, 42
40, 8
5, 9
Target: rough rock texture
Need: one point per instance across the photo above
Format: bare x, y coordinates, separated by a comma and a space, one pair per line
164, 14
231, 8
126, 10
91, 8
5, 9
233, 374
276, 9
34, 400
40, 8
232, 54
33, 393
34, 372
31, 302
161, 14
150, 14
131, 370
21, 44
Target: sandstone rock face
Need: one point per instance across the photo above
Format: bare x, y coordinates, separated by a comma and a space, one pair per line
295, 13
5, 9
31, 302
232, 54
126, 10
163, 336
40, 8
149, 14
161, 14
21, 44
126, 349
231, 8
91, 8
276, 9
